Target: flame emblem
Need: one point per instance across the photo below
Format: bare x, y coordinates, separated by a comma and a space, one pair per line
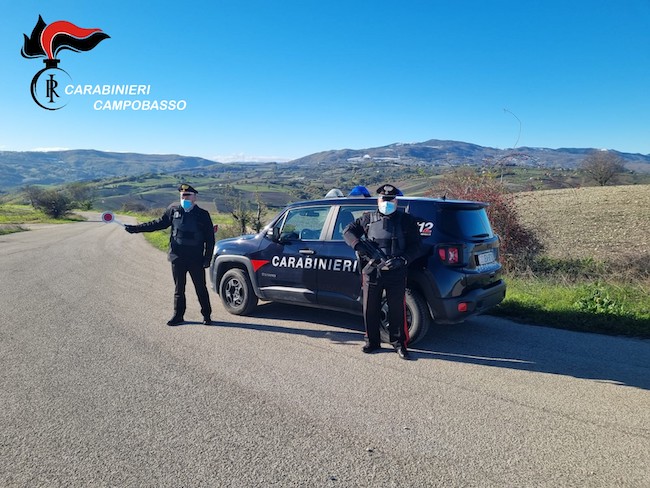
48, 40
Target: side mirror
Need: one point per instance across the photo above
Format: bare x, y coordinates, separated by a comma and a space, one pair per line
274, 234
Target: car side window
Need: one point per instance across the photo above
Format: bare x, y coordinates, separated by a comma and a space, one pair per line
305, 224
347, 214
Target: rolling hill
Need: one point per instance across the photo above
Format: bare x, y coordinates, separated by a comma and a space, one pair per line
18, 169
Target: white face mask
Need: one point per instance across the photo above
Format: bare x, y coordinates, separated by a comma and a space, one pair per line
387, 207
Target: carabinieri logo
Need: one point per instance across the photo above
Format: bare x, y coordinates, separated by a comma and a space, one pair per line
46, 42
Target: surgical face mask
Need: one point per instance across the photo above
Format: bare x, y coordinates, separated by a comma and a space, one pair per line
387, 207
186, 204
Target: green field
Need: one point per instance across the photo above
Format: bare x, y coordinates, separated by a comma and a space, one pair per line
595, 272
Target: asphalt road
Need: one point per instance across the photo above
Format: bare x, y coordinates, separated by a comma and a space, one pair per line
95, 389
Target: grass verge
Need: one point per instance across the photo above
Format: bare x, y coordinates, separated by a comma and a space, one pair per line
11, 229
615, 309
13, 217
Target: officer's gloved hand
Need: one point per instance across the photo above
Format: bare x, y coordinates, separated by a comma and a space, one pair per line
130, 229
206, 262
396, 263
358, 247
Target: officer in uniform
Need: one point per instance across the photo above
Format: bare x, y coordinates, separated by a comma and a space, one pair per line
397, 235
190, 249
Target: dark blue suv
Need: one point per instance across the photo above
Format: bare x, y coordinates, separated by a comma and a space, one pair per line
300, 258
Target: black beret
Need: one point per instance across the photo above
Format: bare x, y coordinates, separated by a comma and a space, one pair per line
388, 190
184, 187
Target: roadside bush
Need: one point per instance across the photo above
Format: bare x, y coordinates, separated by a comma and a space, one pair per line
519, 244
53, 203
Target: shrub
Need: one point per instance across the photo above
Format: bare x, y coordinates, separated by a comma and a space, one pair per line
598, 301
53, 203
519, 244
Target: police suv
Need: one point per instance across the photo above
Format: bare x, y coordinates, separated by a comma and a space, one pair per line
300, 258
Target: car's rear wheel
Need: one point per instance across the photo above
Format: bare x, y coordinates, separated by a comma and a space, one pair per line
417, 317
237, 293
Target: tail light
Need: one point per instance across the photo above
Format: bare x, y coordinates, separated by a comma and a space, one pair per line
449, 254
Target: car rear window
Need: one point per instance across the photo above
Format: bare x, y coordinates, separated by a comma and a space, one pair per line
468, 224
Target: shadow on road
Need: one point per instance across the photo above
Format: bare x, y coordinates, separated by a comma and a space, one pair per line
500, 343
277, 311
487, 341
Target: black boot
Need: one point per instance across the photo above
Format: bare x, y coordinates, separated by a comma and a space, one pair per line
175, 320
403, 352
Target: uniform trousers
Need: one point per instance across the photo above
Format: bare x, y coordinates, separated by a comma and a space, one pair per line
180, 268
394, 283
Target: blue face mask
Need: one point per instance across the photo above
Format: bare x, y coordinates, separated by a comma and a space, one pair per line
387, 207
186, 204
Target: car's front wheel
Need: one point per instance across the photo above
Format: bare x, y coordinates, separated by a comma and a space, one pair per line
417, 317
237, 293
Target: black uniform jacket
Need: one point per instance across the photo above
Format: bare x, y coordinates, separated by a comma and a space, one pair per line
192, 234
402, 226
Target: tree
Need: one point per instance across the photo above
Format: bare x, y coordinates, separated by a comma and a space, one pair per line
82, 195
602, 166
32, 193
261, 210
53, 203
246, 213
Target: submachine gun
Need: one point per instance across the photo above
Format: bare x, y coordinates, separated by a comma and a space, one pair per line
370, 249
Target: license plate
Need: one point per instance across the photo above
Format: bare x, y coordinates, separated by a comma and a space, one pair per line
485, 258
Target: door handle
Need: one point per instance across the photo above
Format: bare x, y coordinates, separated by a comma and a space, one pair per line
307, 251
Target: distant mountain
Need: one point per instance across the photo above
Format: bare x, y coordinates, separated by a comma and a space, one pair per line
56, 167
443, 153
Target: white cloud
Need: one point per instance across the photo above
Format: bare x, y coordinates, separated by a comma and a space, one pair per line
244, 158
49, 149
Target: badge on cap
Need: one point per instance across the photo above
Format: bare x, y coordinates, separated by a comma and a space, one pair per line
388, 190
184, 187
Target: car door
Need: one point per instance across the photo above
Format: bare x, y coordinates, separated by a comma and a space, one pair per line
290, 275
339, 279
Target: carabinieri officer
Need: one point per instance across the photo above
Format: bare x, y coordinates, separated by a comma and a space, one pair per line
191, 243
397, 234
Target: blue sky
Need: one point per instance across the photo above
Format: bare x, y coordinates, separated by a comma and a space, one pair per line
281, 79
